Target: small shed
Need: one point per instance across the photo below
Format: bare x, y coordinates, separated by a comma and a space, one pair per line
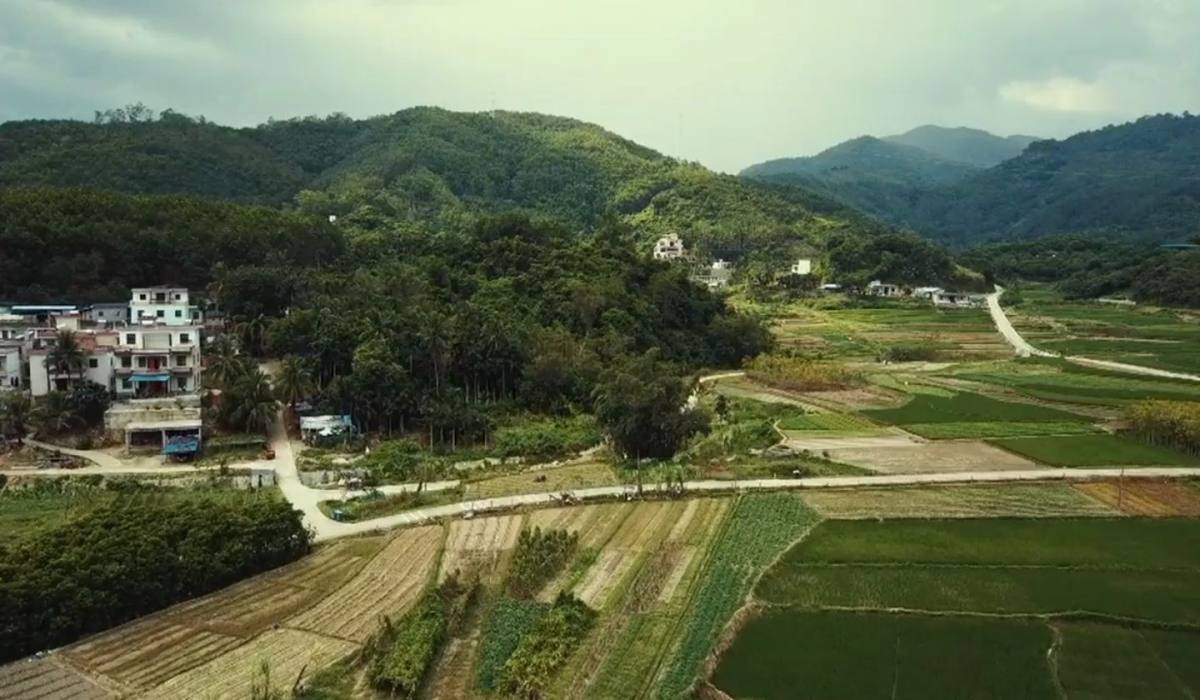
315, 429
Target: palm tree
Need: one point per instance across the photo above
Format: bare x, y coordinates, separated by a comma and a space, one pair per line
252, 402
54, 415
252, 331
67, 356
15, 412
293, 381
223, 364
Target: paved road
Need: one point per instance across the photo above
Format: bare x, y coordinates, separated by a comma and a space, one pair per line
1024, 349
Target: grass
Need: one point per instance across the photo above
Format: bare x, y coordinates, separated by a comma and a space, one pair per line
574, 476
759, 528
1140, 569
1094, 451
897, 656
1057, 380
968, 407
997, 429
1106, 661
377, 506
831, 422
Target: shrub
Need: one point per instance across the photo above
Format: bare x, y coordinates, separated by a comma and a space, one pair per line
546, 648
510, 621
539, 557
1173, 423
797, 374
548, 439
400, 657
908, 352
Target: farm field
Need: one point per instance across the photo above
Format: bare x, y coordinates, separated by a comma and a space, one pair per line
47, 679
1049, 500
966, 407
1158, 338
1056, 380
914, 458
565, 478
1094, 451
477, 545
1052, 580
1146, 497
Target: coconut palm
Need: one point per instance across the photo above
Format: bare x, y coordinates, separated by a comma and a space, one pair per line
15, 413
251, 403
293, 381
223, 364
67, 356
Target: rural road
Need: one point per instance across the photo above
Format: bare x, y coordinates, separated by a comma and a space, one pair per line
1024, 349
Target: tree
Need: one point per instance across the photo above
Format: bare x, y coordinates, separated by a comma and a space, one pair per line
293, 381
15, 414
54, 415
642, 404
89, 401
67, 356
223, 363
250, 403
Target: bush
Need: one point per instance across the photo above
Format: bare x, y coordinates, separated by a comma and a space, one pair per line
539, 557
548, 439
546, 648
400, 657
798, 374
132, 557
909, 352
1173, 423
510, 621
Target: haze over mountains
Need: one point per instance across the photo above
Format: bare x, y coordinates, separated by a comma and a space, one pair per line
1139, 181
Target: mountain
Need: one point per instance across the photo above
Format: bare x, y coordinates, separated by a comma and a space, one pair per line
1138, 181
425, 167
964, 145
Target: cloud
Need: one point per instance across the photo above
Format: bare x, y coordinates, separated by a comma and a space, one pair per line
1059, 94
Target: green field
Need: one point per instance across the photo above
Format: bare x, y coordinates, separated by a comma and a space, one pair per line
1024, 608
789, 653
971, 415
830, 422
1056, 380
1094, 451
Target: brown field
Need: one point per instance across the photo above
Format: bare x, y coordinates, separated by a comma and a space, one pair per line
595, 524
479, 544
573, 476
286, 652
387, 585
691, 535
46, 679
966, 501
1146, 497
644, 529
148, 651
944, 456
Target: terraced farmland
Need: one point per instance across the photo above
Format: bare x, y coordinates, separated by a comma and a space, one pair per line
1146, 497
1094, 451
970, 415
478, 544
47, 679
1051, 500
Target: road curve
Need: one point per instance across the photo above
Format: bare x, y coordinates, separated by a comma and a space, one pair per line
1024, 349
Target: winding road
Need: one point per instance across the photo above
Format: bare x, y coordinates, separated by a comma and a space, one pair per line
1023, 348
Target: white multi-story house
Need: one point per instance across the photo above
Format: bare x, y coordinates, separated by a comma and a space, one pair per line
669, 248
165, 305
98, 351
152, 361
107, 314
10, 365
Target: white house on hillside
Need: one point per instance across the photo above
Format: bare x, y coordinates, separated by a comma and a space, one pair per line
165, 305
669, 248
802, 267
881, 289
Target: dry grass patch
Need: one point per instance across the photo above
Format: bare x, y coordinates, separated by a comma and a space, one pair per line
479, 544
642, 531
574, 476
966, 501
387, 585
930, 457
46, 679
1146, 497
286, 652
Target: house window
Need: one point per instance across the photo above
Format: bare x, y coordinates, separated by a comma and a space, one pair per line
141, 362
181, 360
130, 339
176, 297
159, 313
181, 382
93, 363
100, 314
184, 338
142, 297
126, 362
178, 313
126, 383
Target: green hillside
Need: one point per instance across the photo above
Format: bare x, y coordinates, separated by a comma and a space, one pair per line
964, 145
425, 166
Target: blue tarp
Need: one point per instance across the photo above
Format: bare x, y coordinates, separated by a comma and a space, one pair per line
182, 445
160, 377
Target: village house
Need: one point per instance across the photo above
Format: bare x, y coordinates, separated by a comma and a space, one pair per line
97, 347
719, 274
958, 299
669, 248
166, 305
881, 289
10, 365
111, 314
802, 267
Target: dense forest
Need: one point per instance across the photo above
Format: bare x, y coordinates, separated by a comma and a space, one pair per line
130, 558
1138, 181
1087, 267
422, 166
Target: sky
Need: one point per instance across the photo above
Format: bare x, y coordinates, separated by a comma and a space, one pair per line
723, 82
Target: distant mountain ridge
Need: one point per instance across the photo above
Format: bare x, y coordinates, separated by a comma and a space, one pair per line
1137, 181
964, 145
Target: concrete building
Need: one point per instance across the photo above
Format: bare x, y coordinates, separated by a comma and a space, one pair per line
166, 305
11, 373
959, 299
927, 292
802, 267
719, 274
98, 351
882, 289
154, 361
669, 248
109, 314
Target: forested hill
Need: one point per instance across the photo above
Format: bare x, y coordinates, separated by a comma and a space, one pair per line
1138, 181
422, 165
964, 145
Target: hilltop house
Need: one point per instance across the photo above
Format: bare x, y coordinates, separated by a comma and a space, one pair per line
881, 289
165, 305
669, 248
802, 267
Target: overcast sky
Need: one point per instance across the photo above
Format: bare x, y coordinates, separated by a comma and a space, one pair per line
724, 82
